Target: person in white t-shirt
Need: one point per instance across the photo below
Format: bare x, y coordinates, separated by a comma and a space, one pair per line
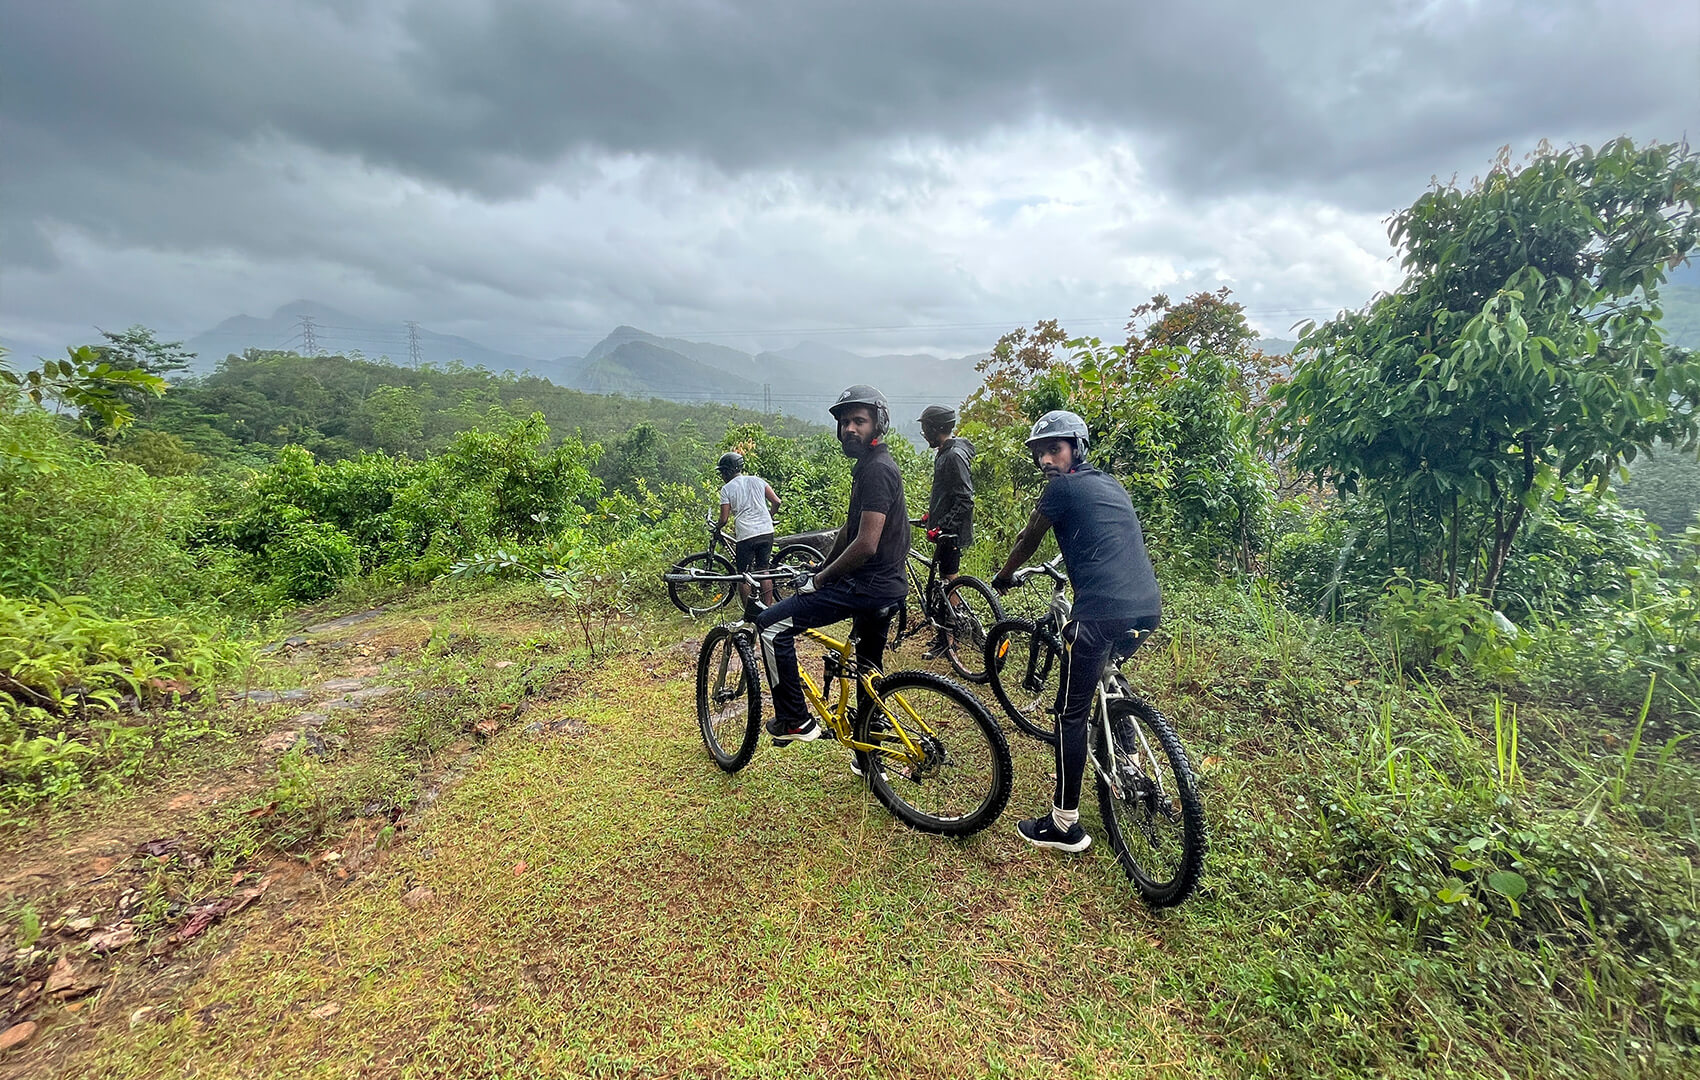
750, 502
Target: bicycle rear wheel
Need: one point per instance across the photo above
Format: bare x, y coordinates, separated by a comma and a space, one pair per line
700, 597
957, 779
1149, 801
728, 698
1024, 666
973, 609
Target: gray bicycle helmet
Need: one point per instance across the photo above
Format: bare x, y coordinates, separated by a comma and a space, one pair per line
863, 394
937, 417
731, 464
1060, 424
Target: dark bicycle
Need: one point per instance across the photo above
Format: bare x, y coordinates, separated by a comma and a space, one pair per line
1147, 794
962, 611
698, 583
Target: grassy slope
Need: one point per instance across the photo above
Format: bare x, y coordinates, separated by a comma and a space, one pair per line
669, 920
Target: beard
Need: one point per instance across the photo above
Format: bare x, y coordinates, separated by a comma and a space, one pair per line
852, 446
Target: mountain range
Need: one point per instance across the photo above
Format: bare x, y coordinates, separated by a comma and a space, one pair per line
801, 380
339, 332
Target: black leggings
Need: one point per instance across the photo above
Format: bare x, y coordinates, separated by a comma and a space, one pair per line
1087, 646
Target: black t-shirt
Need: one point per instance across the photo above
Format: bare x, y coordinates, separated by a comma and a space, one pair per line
1102, 546
877, 486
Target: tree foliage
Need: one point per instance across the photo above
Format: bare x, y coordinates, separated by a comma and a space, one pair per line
1169, 413
1522, 352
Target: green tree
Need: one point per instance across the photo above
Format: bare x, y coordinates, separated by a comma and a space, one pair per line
86, 383
396, 418
1522, 351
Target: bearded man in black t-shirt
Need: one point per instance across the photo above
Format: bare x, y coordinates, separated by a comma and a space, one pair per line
863, 576
1116, 600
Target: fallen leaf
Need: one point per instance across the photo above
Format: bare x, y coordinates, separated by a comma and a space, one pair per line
325, 1012
73, 1006
141, 1014
504, 664
417, 897
486, 728
161, 847
61, 979
262, 811
520, 868
17, 1034
103, 865
115, 938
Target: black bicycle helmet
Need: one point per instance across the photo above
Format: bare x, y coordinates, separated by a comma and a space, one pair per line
730, 465
863, 394
1061, 424
937, 418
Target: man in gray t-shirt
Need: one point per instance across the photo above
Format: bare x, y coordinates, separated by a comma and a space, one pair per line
1116, 599
749, 502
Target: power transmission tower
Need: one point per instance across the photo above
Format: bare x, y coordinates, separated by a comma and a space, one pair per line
413, 342
309, 340
767, 397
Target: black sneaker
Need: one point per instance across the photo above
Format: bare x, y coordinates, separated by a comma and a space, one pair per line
1043, 832
785, 733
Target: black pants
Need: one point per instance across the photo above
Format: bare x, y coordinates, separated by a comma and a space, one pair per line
781, 623
947, 558
1087, 646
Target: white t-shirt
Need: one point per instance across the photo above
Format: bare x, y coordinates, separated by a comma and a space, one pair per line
747, 496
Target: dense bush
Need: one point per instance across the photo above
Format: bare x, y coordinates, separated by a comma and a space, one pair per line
72, 521
69, 675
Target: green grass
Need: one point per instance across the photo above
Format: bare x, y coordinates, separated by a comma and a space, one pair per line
610, 904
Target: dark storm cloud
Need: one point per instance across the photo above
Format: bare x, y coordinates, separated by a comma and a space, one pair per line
485, 96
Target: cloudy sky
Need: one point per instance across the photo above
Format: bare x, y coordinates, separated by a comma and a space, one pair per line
883, 175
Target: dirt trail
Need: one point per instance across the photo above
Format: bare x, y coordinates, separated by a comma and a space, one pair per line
112, 906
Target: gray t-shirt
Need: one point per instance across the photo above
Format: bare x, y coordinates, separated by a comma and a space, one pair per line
1102, 546
747, 496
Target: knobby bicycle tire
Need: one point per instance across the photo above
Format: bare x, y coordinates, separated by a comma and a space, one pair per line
726, 674
968, 627
801, 557
965, 737
701, 598
1158, 837
1024, 666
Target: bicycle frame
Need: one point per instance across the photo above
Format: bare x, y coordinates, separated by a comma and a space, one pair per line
836, 715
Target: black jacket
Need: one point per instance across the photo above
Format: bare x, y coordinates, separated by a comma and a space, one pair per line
951, 508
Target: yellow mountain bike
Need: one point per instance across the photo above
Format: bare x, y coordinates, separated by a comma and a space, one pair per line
930, 751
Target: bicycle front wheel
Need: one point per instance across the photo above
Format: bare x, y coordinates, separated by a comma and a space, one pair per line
1024, 666
955, 778
728, 698
972, 609
1149, 801
700, 597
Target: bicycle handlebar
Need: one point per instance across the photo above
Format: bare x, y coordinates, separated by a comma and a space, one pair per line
1052, 570
919, 524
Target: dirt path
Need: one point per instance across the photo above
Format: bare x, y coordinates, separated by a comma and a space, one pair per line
119, 907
